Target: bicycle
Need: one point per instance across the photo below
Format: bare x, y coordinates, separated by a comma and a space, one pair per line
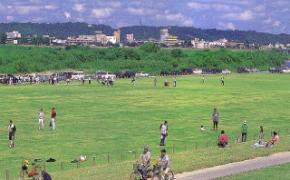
137, 175
159, 174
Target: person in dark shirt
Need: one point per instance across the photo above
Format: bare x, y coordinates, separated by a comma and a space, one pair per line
53, 118
11, 134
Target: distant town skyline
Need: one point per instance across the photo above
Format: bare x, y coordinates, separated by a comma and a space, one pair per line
259, 15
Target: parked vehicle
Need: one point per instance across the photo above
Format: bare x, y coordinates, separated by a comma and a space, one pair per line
78, 75
226, 71
141, 74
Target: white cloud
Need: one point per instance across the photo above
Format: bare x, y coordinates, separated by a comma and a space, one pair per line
137, 11
276, 23
25, 9
228, 25
243, 16
212, 6
102, 12
10, 18
267, 21
67, 15
260, 8
79, 7
198, 6
50, 7
175, 17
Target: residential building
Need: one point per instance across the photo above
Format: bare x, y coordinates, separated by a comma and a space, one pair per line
82, 39
200, 44
112, 39
117, 35
171, 40
13, 35
221, 43
130, 38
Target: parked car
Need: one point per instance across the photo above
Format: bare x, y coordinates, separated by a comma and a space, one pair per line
141, 74
226, 71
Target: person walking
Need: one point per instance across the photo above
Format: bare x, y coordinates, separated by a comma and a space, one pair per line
223, 81
164, 133
11, 134
215, 119
244, 131
133, 81
53, 118
90, 81
41, 117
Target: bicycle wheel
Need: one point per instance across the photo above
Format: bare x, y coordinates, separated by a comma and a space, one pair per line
170, 175
157, 177
135, 176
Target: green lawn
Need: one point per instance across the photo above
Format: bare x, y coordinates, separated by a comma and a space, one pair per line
112, 122
275, 172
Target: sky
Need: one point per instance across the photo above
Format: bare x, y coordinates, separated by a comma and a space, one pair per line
271, 16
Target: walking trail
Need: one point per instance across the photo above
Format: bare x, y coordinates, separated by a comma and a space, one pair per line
235, 168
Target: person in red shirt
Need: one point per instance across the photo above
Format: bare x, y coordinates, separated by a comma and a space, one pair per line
223, 139
53, 118
274, 140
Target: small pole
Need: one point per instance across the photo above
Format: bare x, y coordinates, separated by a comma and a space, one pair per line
108, 158
94, 160
44, 166
135, 154
173, 148
78, 164
61, 166
7, 174
195, 145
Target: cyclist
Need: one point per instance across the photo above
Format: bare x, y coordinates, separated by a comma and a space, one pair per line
145, 162
164, 162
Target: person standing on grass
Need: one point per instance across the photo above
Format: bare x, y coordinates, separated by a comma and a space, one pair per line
53, 118
222, 80
155, 82
41, 117
203, 79
90, 81
163, 132
215, 119
11, 134
174, 82
244, 130
261, 135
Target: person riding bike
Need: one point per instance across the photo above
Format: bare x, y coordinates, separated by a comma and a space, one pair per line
164, 162
145, 162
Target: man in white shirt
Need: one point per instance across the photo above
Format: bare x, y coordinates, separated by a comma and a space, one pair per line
41, 117
164, 162
164, 133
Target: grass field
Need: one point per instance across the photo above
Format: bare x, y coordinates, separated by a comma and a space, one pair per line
96, 121
275, 172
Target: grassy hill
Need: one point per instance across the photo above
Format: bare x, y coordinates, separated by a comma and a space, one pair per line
148, 58
100, 121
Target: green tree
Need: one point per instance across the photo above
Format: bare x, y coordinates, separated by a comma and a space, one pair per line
150, 47
176, 53
3, 38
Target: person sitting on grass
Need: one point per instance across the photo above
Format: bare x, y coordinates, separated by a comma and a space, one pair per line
202, 128
33, 172
274, 140
223, 139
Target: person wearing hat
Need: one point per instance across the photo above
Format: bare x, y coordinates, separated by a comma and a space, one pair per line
244, 130
145, 162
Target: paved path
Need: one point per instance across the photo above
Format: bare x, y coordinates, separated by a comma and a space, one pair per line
235, 168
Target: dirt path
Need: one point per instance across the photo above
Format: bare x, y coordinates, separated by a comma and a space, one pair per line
235, 168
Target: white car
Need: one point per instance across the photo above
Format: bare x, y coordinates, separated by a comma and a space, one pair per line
226, 71
286, 71
197, 71
141, 75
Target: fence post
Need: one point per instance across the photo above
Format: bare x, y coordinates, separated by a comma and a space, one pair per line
78, 164
108, 158
195, 146
7, 174
94, 160
61, 166
44, 166
185, 147
173, 148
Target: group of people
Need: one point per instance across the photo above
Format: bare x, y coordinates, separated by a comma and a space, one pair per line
145, 162
41, 122
33, 172
41, 119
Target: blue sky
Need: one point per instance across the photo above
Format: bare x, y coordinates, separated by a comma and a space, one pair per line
261, 15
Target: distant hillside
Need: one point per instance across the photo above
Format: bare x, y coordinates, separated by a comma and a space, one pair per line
62, 30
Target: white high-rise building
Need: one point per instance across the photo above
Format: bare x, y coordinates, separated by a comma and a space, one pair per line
164, 34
